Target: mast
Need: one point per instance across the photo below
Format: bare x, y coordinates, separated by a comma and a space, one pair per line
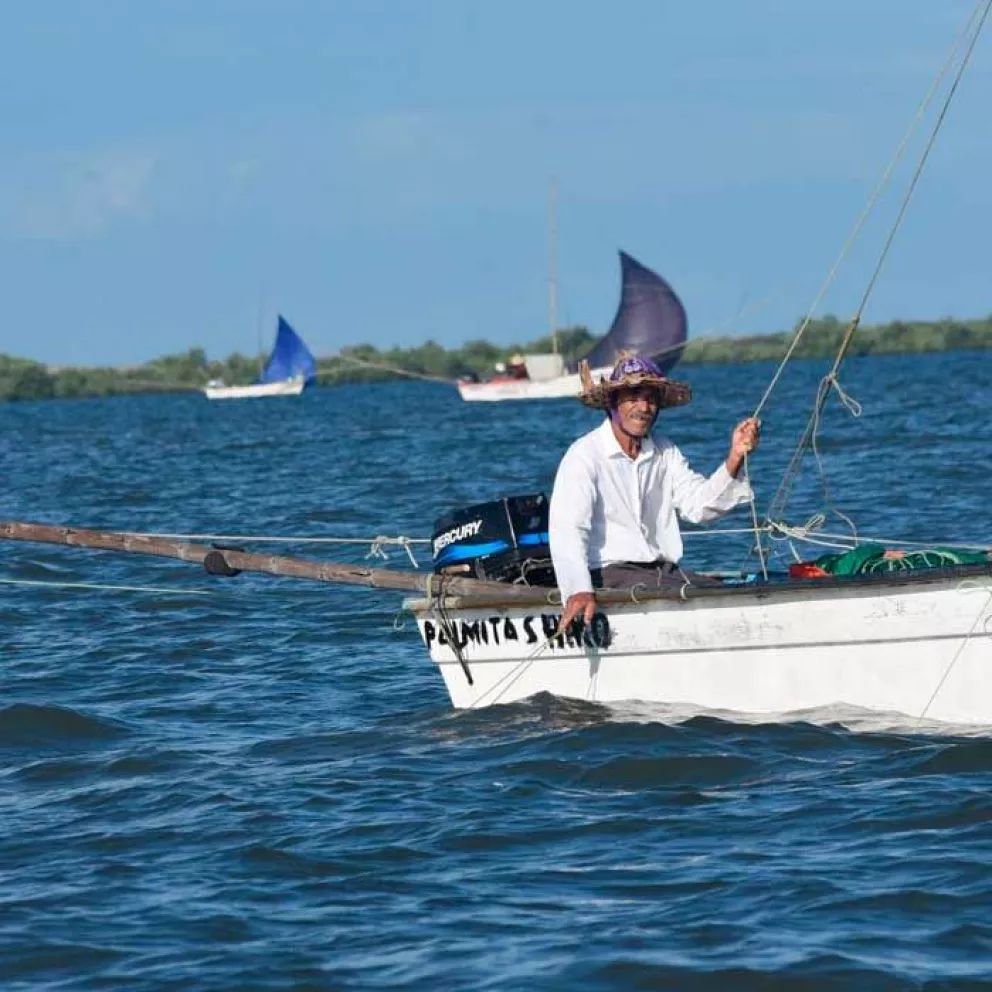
552, 274
259, 329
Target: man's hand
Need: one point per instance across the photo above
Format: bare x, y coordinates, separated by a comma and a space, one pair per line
580, 604
745, 439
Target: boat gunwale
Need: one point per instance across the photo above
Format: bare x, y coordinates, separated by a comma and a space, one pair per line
544, 596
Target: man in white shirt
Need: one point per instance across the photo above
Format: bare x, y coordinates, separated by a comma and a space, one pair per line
613, 508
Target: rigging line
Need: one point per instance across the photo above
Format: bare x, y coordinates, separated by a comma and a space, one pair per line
719, 531
446, 625
750, 306
782, 532
90, 585
518, 670
855, 409
912, 186
710, 334
167, 590
756, 527
264, 539
378, 549
503, 684
373, 541
808, 439
869, 207
390, 368
829, 381
964, 587
842, 542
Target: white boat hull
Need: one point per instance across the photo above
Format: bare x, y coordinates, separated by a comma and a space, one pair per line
923, 649
288, 387
525, 389
520, 389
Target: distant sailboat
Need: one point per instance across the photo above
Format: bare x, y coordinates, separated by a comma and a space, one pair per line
650, 321
289, 368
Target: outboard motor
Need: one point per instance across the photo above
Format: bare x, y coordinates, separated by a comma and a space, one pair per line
502, 541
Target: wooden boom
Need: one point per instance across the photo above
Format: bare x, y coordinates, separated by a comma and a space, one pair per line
224, 561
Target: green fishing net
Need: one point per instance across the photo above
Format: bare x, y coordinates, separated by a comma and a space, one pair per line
871, 558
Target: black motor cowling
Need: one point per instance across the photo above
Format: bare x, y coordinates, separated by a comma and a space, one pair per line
502, 541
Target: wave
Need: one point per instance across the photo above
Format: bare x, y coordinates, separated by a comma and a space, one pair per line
29, 725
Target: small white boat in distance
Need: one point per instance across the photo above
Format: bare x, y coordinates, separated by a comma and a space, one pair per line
217, 390
650, 321
290, 366
535, 377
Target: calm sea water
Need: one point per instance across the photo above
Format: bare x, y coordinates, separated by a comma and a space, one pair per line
259, 783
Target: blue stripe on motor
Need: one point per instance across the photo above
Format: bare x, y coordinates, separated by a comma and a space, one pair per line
539, 538
459, 552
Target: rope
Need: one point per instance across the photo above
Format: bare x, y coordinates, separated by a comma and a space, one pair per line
830, 381
974, 25
377, 544
869, 207
382, 367
717, 531
916, 175
91, 585
275, 539
812, 525
711, 332
783, 532
847, 400
756, 527
377, 550
965, 587
809, 439
436, 602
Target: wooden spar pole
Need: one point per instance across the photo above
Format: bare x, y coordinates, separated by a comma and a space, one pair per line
296, 568
552, 268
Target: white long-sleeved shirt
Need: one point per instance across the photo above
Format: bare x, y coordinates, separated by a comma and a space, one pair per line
608, 508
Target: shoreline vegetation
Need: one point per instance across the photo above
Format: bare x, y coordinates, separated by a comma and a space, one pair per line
22, 379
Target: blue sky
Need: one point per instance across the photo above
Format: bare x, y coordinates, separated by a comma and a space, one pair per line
378, 169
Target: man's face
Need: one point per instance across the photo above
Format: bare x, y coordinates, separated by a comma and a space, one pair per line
637, 409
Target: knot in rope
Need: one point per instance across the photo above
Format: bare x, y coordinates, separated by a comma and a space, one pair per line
790, 534
780, 531
378, 550
853, 407
801, 533
404, 542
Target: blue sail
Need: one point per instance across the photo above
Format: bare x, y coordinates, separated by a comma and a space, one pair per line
650, 320
290, 357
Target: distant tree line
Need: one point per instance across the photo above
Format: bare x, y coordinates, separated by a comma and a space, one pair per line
822, 339
24, 379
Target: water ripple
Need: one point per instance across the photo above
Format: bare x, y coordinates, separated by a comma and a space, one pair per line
266, 788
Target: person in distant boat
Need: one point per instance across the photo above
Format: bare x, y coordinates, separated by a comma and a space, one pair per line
617, 491
517, 366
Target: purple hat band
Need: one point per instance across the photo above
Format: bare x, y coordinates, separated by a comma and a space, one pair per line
634, 366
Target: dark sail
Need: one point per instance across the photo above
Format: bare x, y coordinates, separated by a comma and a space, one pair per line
650, 320
290, 357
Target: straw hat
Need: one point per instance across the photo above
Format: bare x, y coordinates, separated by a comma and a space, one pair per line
629, 372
